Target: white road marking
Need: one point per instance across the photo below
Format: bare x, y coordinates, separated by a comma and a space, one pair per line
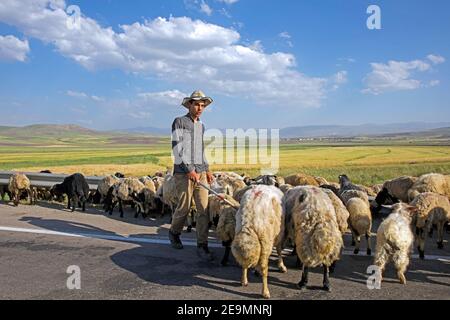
102, 236
155, 240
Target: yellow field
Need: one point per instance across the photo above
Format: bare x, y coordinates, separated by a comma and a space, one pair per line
364, 164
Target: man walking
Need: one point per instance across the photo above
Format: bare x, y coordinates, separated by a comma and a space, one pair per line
191, 167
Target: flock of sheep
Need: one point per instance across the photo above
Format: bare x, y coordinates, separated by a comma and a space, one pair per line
303, 211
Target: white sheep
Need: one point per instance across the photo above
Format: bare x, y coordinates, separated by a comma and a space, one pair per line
226, 225
19, 183
360, 222
259, 228
124, 191
342, 213
313, 223
433, 182
395, 240
399, 187
431, 208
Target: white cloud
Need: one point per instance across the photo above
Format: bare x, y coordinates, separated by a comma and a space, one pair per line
284, 35
229, 2
434, 83
435, 59
140, 115
76, 94
396, 75
176, 49
13, 49
205, 8
83, 95
170, 97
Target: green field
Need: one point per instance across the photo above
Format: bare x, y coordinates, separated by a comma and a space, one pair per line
99, 156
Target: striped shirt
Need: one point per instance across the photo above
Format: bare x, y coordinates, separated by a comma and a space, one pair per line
188, 146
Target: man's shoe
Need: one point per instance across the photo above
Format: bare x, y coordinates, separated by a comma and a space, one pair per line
204, 253
175, 240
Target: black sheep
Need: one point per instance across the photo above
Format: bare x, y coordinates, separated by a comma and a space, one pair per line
76, 188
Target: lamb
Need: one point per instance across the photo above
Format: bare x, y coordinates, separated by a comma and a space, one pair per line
226, 226
167, 193
215, 206
431, 208
145, 201
19, 183
158, 181
227, 183
315, 229
105, 184
122, 192
360, 222
76, 188
148, 183
395, 240
433, 182
259, 228
341, 211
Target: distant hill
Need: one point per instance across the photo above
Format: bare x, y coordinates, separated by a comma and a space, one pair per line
49, 130
149, 130
359, 130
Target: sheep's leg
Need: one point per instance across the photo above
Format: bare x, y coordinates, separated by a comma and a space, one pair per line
440, 232
83, 206
326, 279
357, 245
74, 202
16, 197
120, 208
265, 272
430, 230
401, 261
138, 210
421, 242
226, 256
304, 280
332, 267
353, 236
114, 203
369, 245
266, 250
68, 202
281, 265
244, 279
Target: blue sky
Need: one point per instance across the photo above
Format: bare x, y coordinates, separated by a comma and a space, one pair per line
270, 64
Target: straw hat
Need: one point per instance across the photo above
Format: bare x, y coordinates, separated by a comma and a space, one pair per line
197, 96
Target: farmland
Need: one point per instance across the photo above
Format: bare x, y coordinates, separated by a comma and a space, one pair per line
365, 164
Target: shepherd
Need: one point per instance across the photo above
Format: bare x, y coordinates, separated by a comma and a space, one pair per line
191, 169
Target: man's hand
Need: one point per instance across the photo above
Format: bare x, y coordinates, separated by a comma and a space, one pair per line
193, 176
210, 177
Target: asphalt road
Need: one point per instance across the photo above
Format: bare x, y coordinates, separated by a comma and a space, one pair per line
131, 259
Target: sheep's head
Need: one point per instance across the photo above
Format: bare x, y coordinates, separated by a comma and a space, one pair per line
344, 180
57, 192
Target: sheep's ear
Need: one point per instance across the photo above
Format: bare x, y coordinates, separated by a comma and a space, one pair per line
412, 209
